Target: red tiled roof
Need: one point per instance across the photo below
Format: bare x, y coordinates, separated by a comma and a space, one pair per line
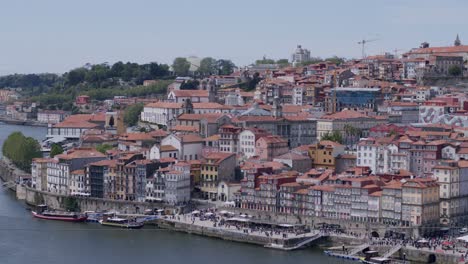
79, 153
185, 128
82, 121
431, 50
191, 93
108, 163
345, 114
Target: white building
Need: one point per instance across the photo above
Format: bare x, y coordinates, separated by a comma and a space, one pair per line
58, 177
247, 139
378, 156
298, 95
39, 173
195, 96
166, 113
78, 184
51, 117
300, 55
74, 126
161, 113
189, 146
177, 184
451, 201
227, 190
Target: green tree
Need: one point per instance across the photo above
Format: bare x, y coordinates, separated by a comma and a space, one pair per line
335, 59
282, 62
71, 204
334, 136
181, 66
103, 148
55, 149
21, 150
207, 66
190, 85
132, 114
264, 61
225, 67
455, 70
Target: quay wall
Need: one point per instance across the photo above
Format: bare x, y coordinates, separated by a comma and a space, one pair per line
360, 228
7, 173
56, 201
223, 234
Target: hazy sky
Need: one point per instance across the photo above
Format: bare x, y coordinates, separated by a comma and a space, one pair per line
57, 35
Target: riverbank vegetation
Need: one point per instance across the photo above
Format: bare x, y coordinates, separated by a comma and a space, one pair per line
21, 150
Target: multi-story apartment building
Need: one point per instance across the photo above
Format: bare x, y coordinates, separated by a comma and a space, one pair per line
377, 154
420, 199
51, 116
424, 156
215, 168
269, 147
177, 184
39, 173
73, 126
247, 139
59, 169
340, 121
453, 180
229, 138
391, 203
324, 153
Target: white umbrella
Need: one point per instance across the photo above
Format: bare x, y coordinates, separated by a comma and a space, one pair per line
243, 215
196, 212
208, 214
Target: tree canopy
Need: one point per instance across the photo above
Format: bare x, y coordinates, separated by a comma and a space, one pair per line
55, 149
132, 114
455, 70
103, 148
181, 66
225, 67
334, 136
21, 150
207, 66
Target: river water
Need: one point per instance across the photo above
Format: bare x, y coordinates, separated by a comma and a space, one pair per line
26, 240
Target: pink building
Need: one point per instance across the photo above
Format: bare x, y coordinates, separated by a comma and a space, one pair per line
269, 147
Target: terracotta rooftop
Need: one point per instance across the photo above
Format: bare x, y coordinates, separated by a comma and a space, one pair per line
210, 117
164, 148
273, 139
80, 153
345, 114
82, 121
191, 93
183, 128
108, 163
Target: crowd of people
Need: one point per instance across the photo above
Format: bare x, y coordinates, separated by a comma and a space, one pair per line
239, 222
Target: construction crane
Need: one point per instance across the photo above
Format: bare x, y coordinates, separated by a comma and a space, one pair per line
363, 43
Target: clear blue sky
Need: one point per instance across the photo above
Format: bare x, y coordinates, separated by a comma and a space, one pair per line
57, 35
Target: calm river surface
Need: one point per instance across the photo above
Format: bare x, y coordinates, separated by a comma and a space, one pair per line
26, 240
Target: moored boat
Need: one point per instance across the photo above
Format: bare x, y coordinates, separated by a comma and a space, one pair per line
121, 222
43, 213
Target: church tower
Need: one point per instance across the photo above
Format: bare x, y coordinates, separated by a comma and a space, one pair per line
187, 107
457, 41
277, 109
